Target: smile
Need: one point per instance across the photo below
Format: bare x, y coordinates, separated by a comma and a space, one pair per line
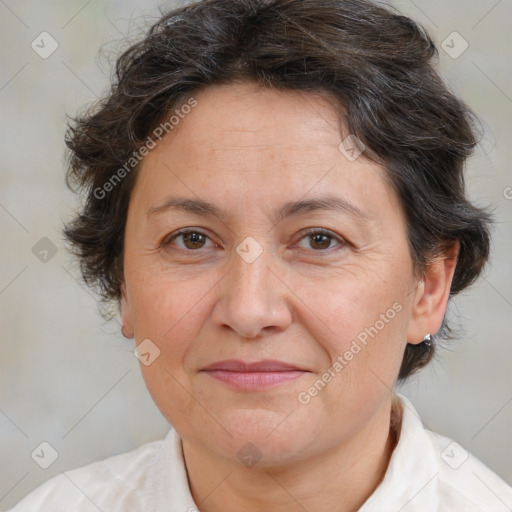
253, 376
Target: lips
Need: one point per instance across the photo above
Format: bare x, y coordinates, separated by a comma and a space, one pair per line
235, 365
253, 376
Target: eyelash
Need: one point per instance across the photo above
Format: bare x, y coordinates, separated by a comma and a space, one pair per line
308, 232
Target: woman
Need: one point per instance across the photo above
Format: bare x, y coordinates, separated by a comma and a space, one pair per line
275, 200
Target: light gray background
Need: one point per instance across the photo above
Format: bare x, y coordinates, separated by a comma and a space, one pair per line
69, 378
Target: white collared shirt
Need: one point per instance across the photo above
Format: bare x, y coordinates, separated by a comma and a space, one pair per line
427, 472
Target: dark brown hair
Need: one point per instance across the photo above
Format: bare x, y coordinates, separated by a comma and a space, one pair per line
375, 62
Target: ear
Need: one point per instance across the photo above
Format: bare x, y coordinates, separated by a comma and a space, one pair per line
432, 296
126, 319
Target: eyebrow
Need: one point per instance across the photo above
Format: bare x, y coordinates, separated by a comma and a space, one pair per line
207, 209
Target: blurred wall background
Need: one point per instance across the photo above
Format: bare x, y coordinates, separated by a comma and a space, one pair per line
69, 378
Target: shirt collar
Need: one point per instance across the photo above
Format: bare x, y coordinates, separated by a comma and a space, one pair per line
407, 484
172, 486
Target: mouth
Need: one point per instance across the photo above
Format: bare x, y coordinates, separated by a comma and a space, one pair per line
253, 376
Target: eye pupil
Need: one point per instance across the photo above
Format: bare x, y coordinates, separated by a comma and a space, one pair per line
323, 240
194, 238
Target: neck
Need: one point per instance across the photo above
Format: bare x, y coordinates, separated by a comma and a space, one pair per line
340, 480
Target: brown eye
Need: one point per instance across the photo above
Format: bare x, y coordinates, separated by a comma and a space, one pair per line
192, 239
320, 239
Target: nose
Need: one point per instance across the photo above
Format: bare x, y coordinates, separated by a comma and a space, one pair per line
253, 299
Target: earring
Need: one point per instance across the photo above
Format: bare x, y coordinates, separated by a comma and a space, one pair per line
428, 340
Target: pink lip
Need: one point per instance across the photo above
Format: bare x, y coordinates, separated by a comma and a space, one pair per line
253, 376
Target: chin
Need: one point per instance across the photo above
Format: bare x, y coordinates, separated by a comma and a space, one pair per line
262, 437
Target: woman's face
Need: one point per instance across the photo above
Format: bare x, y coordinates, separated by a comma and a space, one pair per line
257, 282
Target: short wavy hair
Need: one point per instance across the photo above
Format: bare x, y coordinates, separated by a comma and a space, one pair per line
377, 64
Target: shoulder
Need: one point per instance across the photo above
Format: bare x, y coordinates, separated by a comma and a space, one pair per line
466, 483
119, 483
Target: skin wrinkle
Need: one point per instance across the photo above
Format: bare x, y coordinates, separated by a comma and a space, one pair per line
290, 305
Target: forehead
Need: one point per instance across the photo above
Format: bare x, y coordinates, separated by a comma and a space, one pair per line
259, 145
253, 113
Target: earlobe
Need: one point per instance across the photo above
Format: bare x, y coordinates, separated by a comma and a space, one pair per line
432, 296
126, 321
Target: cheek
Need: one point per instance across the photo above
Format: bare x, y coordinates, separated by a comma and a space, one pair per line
162, 310
169, 312
162, 297
357, 316
350, 301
